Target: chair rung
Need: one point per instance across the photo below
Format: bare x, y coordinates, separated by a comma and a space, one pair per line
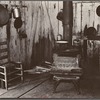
13, 72
13, 78
19, 68
4, 63
2, 73
2, 67
3, 50
3, 43
19, 74
2, 79
4, 57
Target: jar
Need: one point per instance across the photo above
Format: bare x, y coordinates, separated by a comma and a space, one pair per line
16, 12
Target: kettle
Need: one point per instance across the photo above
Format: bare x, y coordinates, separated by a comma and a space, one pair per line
59, 37
16, 12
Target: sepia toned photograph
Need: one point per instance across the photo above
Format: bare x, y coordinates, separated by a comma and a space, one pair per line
50, 49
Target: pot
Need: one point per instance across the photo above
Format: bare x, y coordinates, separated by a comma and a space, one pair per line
18, 23
60, 15
91, 33
4, 16
16, 12
98, 11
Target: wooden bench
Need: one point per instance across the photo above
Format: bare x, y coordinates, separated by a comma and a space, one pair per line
9, 70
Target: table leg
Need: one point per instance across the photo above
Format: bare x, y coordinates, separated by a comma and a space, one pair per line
55, 85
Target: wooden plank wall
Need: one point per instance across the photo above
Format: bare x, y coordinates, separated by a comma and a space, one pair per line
85, 14
41, 26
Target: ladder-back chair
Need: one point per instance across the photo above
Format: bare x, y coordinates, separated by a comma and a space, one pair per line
9, 70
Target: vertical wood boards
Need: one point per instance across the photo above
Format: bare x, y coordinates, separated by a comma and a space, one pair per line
39, 21
85, 14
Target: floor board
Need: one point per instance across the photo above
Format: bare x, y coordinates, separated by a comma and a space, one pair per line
23, 88
64, 90
42, 87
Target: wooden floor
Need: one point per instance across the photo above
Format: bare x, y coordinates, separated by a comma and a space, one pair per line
41, 86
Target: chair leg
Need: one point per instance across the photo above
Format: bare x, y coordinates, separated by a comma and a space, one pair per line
22, 79
2, 84
6, 83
